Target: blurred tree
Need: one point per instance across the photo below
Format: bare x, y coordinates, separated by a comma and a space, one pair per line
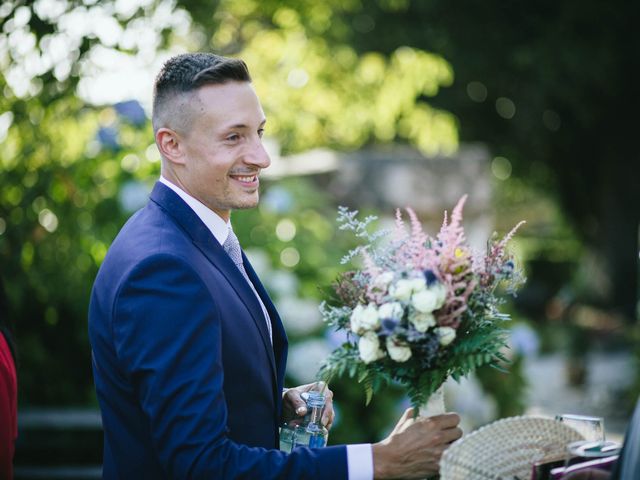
300, 56
72, 171
69, 173
545, 85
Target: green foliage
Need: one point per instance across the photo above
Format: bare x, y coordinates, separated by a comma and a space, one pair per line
309, 250
62, 212
507, 387
474, 348
564, 131
59, 205
299, 57
334, 73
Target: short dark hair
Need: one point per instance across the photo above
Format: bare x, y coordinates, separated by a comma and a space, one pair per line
186, 73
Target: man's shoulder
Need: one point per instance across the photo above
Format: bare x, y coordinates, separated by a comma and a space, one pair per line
150, 232
149, 229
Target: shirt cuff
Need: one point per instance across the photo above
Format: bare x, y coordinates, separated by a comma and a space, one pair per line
360, 461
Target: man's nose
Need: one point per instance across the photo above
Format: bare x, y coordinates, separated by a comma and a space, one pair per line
258, 155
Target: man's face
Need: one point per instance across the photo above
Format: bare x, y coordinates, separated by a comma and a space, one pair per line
223, 149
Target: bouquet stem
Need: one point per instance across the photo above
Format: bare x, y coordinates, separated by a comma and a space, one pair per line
434, 405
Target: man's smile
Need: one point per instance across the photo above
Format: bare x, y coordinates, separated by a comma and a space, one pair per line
246, 180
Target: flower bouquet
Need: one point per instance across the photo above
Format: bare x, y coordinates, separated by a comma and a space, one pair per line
420, 309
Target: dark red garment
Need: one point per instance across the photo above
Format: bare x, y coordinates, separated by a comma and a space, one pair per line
8, 410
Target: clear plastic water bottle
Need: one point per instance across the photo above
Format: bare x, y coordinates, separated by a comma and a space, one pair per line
310, 432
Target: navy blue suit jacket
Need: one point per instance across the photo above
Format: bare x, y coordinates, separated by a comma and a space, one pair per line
188, 382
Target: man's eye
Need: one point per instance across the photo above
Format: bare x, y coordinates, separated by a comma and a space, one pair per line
261, 132
233, 137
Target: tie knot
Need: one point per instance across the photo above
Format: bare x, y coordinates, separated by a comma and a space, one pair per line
232, 247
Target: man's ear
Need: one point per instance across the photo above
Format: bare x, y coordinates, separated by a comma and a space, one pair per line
169, 144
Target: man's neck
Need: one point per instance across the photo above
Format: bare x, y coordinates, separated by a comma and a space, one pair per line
218, 226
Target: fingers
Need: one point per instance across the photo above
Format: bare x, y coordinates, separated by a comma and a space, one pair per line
442, 430
408, 414
405, 420
295, 405
416, 444
294, 402
446, 420
450, 435
328, 415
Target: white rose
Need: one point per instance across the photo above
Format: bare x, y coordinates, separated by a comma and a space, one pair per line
364, 318
382, 281
402, 289
446, 335
398, 351
418, 284
423, 321
369, 347
430, 299
392, 310
355, 318
441, 294
425, 301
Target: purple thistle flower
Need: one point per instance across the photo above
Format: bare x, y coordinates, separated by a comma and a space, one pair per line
415, 336
430, 277
508, 268
388, 326
427, 350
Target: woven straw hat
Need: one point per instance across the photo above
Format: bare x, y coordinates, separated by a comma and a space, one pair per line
506, 449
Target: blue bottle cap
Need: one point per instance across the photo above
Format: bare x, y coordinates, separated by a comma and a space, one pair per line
315, 399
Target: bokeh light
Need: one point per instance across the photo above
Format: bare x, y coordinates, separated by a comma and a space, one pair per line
477, 91
551, 120
290, 257
505, 108
501, 168
285, 230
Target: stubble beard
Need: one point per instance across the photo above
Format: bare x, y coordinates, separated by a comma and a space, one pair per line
250, 200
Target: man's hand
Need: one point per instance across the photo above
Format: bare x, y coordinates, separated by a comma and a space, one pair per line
295, 408
414, 448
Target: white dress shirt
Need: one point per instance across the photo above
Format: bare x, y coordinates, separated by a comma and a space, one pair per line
359, 456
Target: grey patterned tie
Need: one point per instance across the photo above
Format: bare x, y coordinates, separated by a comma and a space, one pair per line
232, 246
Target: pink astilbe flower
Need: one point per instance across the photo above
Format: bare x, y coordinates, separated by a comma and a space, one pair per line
411, 247
456, 304
417, 242
450, 244
496, 257
499, 248
399, 232
402, 244
451, 260
370, 268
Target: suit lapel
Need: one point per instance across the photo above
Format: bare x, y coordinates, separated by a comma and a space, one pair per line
279, 337
280, 341
204, 240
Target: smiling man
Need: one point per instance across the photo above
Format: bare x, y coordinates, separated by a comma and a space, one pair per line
189, 352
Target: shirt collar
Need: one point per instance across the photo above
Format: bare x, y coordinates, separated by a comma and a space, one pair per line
218, 227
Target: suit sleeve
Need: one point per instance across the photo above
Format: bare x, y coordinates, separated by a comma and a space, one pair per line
166, 329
